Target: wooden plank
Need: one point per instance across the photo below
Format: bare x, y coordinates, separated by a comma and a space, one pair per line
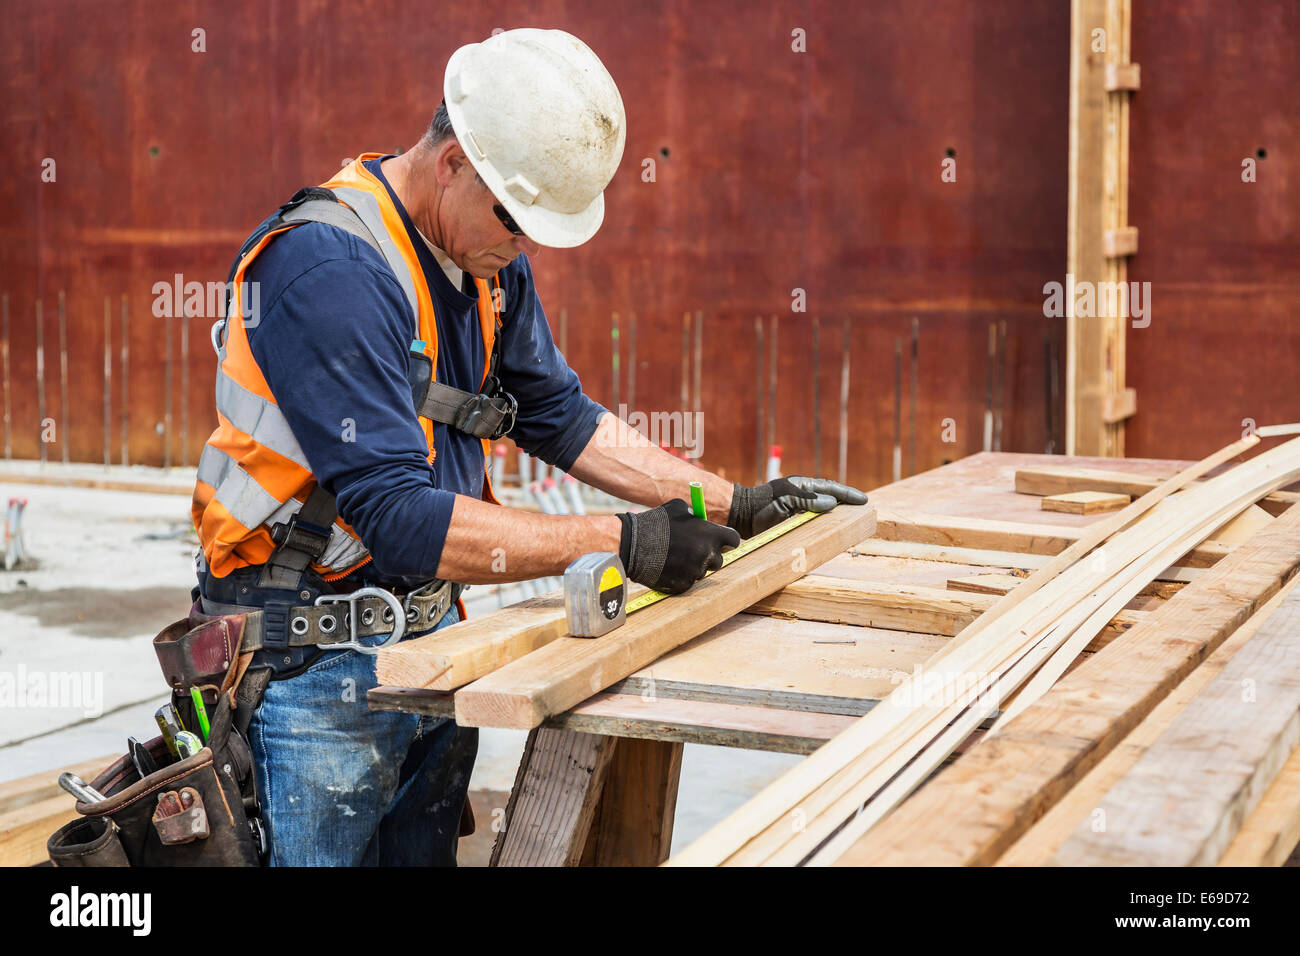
1006, 560
1085, 502
25, 830
898, 607
986, 534
1243, 527
989, 798
1091, 361
711, 723
553, 678
41, 786
985, 583
713, 716
463, 652
634, 819
1270, 835
1058, 480
554, 799
1185, 798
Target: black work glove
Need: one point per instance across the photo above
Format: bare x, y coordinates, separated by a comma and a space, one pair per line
754, 510
669, 549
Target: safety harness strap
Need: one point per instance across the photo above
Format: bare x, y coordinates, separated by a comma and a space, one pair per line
483, 415
300, 541
489, 413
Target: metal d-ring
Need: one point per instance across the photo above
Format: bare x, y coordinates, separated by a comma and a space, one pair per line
395, 607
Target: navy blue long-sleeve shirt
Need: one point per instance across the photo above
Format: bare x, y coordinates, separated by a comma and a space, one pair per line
333, 343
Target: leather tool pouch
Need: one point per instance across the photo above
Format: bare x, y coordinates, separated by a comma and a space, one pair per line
199, 810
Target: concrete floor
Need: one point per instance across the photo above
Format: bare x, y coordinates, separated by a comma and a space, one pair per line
113, 568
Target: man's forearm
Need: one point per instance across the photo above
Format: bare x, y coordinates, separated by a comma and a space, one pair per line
620, 461
488, 544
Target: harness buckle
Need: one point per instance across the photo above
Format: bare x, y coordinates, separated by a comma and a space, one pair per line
487, 415
394, 605
300, 535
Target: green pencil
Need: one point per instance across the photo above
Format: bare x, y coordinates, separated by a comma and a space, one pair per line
197, 696
697, 500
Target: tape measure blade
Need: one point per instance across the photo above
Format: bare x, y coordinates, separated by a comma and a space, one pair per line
746, 547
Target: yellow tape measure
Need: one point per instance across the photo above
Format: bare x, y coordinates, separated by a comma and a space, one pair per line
735, 554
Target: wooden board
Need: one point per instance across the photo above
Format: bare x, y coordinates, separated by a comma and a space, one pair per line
463, 652
1062, 479
1004, 560
563, 673
710, 715
993, 535
1038, 845
1186, 797
985, 583
633, 825
41, 786
554, 799
899, 607
971, 813
1271, 835
1084, 502
25, 830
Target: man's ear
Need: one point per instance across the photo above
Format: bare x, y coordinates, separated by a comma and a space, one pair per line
450, 161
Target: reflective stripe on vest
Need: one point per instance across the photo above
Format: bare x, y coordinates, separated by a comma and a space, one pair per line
253, 473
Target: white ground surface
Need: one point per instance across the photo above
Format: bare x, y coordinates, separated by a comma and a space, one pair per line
131, 554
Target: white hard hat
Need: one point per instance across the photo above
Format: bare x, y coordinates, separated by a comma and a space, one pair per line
542, 122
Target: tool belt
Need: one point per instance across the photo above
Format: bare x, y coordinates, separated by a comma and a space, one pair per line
197, 810
202, 810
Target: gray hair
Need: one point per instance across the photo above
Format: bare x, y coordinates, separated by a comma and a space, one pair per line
439, 127
440, 131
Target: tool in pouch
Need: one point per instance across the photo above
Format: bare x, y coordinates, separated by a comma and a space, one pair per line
152, 807
595, 585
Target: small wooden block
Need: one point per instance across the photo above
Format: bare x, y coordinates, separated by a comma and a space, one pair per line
1117, 406
1123, 76
1085, 502
1120, 242
985, 583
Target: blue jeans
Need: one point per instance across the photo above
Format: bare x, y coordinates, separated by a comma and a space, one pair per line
342, 785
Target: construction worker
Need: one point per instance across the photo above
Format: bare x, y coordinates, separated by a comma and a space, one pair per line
397, 333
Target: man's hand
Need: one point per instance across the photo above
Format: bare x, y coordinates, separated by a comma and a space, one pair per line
754, 510
669, 549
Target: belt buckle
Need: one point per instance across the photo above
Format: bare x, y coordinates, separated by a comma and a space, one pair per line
399, 619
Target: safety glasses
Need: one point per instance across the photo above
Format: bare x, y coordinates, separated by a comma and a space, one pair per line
506, 220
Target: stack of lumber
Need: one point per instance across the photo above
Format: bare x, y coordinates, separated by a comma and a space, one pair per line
848, 802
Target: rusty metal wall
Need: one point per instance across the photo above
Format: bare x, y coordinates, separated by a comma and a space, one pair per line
1220, 86
774, 170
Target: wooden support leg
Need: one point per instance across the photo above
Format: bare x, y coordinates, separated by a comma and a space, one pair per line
634, 820
554, 798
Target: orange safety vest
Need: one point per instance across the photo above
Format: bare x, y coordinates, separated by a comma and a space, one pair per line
252, 474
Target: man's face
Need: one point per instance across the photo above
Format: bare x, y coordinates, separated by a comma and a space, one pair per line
474, 237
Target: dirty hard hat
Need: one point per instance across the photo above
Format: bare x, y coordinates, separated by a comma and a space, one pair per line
542, 122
